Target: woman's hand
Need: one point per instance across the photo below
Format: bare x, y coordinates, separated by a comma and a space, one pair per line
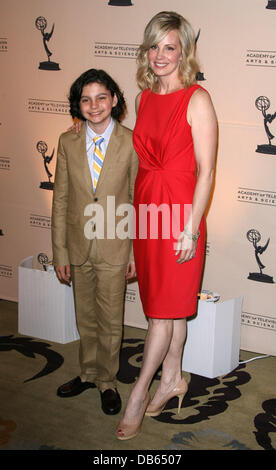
185, 248
76, 126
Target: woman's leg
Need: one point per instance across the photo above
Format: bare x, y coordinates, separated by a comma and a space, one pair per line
157, 344
172, 364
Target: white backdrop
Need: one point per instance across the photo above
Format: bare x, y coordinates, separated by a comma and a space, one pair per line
235, 51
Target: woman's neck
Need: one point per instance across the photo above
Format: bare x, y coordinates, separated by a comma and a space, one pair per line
165, 86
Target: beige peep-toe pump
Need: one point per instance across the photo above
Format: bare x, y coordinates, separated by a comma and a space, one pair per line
179, 391
129, 431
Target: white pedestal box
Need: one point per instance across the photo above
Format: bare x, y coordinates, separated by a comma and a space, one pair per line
213, 338
45, 307
213, 334
134, 315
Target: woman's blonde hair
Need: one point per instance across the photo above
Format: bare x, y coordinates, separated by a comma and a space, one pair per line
158, 27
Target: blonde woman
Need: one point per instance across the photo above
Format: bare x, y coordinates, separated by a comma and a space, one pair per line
175, 138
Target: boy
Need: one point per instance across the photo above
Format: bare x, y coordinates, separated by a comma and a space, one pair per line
98, 267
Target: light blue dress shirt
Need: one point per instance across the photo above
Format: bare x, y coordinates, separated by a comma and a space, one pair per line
90, 146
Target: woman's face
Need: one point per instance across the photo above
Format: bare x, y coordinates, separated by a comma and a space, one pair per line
164, 58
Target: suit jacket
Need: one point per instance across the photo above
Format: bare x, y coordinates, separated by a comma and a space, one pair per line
73, 192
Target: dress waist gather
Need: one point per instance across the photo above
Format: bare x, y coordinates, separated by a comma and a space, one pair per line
177, 170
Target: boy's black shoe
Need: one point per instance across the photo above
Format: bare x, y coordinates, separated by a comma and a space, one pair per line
74, 387
111, 401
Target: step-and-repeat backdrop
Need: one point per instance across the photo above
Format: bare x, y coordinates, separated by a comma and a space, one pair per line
45, 45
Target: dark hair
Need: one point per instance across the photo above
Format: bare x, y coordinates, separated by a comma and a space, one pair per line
98, 76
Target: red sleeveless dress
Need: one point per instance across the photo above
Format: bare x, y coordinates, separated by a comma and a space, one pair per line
163, 196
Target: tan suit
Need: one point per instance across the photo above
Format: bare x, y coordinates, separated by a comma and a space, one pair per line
97, 265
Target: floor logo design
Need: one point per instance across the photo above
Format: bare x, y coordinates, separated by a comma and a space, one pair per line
262, 103
30, 348
41, 24
254, 237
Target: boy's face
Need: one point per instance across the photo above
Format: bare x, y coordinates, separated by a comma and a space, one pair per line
96, 104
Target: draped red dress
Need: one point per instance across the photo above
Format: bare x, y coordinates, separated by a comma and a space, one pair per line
163, 196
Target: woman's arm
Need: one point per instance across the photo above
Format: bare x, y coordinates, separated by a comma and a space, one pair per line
202, 119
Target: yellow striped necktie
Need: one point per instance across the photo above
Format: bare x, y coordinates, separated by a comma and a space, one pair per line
98, 159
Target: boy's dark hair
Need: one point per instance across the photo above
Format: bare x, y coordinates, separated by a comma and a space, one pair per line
101, 77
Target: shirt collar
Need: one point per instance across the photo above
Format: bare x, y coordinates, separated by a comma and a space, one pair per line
106, 134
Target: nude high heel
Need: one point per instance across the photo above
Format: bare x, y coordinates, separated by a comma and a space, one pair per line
129, 431
179, 391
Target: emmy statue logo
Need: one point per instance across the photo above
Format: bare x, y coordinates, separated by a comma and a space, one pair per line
42, 148
43, 260
254, 237
262, 104
120, 3
199, 75
41, 24
271, 5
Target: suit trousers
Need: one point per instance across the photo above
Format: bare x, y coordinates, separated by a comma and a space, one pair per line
99, 290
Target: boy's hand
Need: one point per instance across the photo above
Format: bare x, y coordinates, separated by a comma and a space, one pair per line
130, 271
64, 274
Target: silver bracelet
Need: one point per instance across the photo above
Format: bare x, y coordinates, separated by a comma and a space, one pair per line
190, 235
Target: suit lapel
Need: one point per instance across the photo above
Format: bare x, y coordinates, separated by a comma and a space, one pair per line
84, 167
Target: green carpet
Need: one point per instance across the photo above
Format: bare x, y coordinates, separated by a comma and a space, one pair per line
233, 412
